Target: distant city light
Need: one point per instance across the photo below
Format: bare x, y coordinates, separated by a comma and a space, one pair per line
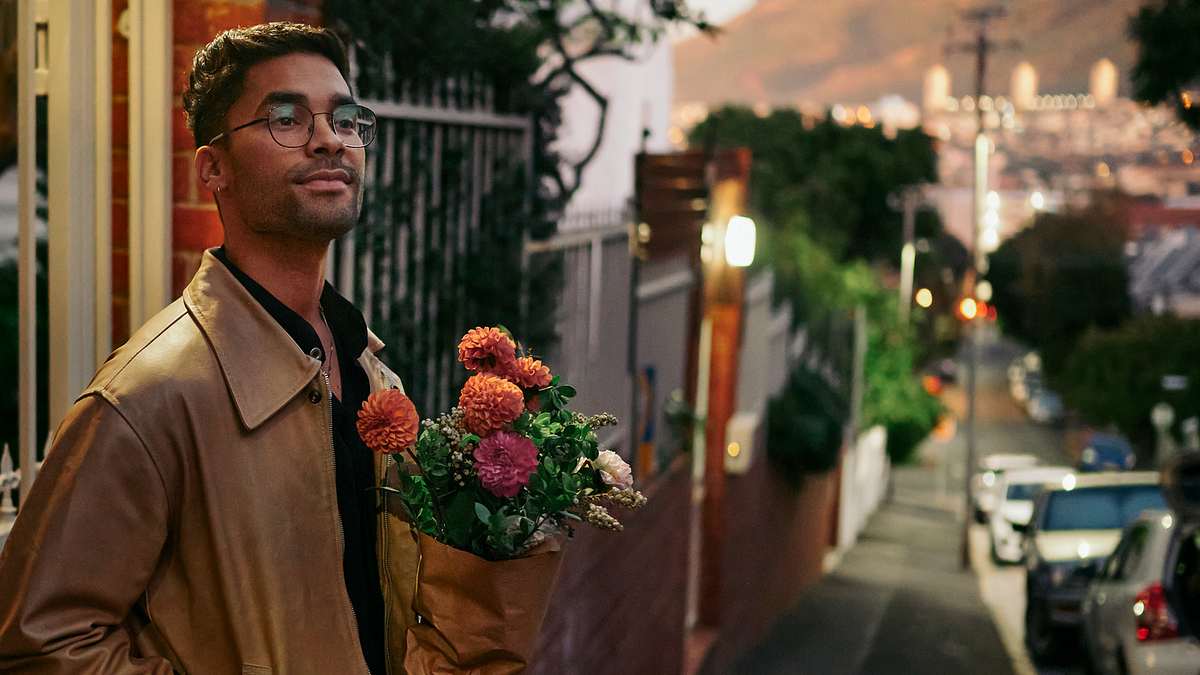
838, 112
983, 290
991, 219
864, 114
968, 309
1037, 200
925, 298
1186, 99
1102, 170
990, 241
1187, 156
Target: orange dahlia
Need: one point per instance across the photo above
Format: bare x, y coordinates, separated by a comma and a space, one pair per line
487, 350
489, 402
529, 373
388, 421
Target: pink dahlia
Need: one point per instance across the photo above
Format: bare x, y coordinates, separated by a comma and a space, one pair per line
505, 461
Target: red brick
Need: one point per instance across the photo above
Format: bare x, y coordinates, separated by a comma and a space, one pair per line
190, 21
120, 122
120, 175
120, 65
181, 136
181, 65
120, 272
195, 228
120, 223
225, 15
120, 320
182, 181
183, 267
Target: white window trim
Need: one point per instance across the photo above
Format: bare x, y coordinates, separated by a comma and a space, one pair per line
151, 96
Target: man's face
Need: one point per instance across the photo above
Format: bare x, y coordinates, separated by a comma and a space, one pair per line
312, 192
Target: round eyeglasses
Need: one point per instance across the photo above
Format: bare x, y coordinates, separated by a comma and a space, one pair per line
292, 125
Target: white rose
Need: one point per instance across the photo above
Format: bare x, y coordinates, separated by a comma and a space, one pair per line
613, 470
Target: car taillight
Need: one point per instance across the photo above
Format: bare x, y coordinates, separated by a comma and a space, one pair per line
1153, 616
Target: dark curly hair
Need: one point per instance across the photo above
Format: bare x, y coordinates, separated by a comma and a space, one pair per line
219, 68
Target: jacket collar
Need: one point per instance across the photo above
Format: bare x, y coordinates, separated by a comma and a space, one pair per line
261, 364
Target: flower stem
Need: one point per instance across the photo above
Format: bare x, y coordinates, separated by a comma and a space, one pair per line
433, 496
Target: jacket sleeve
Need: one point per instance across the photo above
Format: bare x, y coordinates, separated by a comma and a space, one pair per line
82, 551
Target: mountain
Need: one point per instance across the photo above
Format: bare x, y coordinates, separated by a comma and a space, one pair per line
855, 51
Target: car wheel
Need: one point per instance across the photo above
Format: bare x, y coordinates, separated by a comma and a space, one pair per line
1040, 635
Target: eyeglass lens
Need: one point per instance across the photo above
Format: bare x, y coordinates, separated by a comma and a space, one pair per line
292, 124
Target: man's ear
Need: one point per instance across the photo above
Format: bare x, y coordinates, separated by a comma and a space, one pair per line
210, 168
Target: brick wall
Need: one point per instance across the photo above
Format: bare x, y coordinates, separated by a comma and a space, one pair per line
195, 225
619, 603
775, 541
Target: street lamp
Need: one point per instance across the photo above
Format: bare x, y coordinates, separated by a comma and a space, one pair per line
925, 298
739, 241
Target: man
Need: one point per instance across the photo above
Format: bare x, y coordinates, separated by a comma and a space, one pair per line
207, 505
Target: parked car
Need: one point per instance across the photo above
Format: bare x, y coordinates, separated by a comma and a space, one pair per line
1127, 625
1181, 584
1107, 452
1045, 407
983, 483
1076, 524
1015, 492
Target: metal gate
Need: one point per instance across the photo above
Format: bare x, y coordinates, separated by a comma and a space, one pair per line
446, 216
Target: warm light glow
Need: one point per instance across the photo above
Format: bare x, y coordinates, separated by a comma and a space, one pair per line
990, 240
983, 290
1187, 156
1186, 98
1037, 200
925, 298
734, 449
968, 309
739, 242
1102, 170
1068, 482
864, 114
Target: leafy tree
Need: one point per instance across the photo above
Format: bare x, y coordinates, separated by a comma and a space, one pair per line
1168, 61
838, 177
1115, 376
1061, 276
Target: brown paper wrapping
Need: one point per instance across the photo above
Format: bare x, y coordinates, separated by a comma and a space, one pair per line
478, 616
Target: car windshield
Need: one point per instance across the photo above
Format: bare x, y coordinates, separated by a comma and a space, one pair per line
1022, 491
1100, 508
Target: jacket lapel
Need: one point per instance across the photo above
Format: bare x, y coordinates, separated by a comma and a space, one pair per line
261, 364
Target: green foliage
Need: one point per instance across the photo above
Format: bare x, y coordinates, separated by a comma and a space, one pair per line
1168, 61
805, 424
460, 512
826, 180
1115, 376
1065, 274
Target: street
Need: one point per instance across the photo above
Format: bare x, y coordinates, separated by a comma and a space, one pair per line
898, 600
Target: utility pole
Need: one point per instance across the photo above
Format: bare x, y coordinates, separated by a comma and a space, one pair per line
981, 46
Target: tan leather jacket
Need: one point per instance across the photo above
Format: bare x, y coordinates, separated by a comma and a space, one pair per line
186, 517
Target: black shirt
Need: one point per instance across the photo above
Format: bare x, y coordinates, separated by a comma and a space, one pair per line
353, 461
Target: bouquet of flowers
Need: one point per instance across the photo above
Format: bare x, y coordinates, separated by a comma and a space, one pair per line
491, 487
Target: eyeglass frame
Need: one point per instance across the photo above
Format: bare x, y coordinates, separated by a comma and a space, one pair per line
312, 127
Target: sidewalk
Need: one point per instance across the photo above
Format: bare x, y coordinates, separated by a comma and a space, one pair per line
897, 602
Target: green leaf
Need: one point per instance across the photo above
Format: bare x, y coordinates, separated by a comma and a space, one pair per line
483, 513
567, 391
